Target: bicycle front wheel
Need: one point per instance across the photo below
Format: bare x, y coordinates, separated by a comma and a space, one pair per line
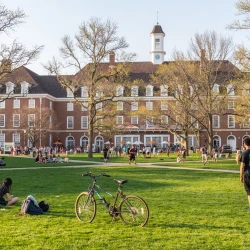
85, 207
134, 210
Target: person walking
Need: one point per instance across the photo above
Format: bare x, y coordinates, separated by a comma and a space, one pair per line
245, 169
132, 153
204, 155
105, 154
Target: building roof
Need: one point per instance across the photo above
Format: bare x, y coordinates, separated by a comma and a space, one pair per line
157, 29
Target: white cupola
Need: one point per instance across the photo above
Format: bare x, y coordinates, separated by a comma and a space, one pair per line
157, 45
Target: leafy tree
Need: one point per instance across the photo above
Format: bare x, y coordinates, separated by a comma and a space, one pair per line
95, 42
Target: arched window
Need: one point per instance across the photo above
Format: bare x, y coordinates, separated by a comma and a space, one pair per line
84, 141
216, 141
70, 142
99, 142
149, 90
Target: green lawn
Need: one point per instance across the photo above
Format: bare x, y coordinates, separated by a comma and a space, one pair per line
188, 209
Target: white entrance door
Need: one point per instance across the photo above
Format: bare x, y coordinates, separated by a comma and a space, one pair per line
232, 142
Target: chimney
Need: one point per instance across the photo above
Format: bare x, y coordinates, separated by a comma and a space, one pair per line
112, 58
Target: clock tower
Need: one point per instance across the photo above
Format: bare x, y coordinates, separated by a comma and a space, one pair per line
157, 45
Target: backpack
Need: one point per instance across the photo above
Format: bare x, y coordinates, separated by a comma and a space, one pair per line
28, 207
44, 206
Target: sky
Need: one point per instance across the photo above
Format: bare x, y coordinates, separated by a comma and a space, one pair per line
50, 20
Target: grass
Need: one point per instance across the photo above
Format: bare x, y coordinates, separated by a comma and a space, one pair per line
188, 209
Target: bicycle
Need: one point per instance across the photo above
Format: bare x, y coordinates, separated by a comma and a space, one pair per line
131, 209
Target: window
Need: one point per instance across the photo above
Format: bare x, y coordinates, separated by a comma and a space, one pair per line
25, 87
16, 138
119, 91
32, 103
149, 121
231, 121
247, 123
164, 90
134, 91
2, 105
84, 92
216, 121
31, 120
70, 122
99, 121
134, 120
216, 88
70, 106
164, 106
164, 119
190, 90
98, 106
149, 90
84, 122
98, 93
70, 92
2, 140
230, 89
119, 120
119, 105
10, 88
85, 106
134, 106
157, 43
16, 104
2, 120
149, 105
230, 104
16, 120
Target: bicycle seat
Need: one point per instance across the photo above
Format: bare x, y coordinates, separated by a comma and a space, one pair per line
121, 181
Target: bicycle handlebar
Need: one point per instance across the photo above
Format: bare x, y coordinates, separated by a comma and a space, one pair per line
94, 177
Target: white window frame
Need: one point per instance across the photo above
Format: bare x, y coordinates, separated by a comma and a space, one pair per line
134, 120
164, 105
32, 103
84, 92
157, 43
70, 122
70, 92
84, 122
216, 121
10, 87
2, 105
134, 90
149, 121
70, 106
230, 89
2, 120
98, 106
119, 120
149, 90
16, 138
149, 105
84, 106
16, 120
164, 90
31, 120
164, 119
119, 91
230, 104
216, 88
134, 106
24, 88
119, 106
231, 121
16, 103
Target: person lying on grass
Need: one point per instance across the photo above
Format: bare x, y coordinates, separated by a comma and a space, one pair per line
5, 189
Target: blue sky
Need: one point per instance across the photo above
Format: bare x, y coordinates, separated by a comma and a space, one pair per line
49, 20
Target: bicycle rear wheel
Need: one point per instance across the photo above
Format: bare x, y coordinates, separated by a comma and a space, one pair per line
85, 207
134, 210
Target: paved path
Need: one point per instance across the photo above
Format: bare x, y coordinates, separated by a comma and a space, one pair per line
111, 164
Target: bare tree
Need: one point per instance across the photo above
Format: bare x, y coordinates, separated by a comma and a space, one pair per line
15, 54
35, 123
95, 42
200, 79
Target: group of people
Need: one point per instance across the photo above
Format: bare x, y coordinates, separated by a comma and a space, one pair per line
50, 159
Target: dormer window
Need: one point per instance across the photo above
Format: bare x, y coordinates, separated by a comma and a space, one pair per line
216, 88
164, 90
134, 91
84, 92
70, 92
230, 89
10, 88
119, 91
25, 87
149, 90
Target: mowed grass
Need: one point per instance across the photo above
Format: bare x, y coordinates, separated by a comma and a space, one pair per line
188, 209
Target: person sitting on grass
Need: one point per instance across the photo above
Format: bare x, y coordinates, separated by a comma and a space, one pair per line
5, 189
2, 162
66, 159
